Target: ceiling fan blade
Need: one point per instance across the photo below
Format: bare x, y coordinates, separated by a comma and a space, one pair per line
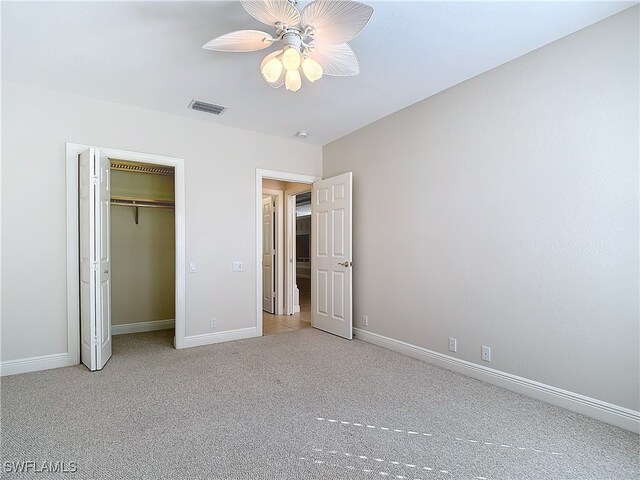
336, 21
278, 83
336, 60
240, 41
272, 11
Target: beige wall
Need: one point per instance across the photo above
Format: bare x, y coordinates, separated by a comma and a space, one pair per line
142, 254
220, 176
280, 185
504, 212
142, 185
273, 184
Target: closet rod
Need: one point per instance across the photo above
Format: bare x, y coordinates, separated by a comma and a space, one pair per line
141, 202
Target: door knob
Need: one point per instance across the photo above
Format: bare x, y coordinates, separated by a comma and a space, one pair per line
346, 263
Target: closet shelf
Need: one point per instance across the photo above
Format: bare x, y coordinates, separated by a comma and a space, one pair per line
141, 202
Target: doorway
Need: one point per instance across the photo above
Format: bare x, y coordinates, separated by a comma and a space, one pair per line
286, 306
301, 243
142, 230
330, 253
284, 186
73, 153
273, 242
298, 242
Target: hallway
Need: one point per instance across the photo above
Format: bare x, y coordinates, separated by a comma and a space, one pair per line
272, 324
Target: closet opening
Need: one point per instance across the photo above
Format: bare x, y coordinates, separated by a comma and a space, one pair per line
90, 276
143, 246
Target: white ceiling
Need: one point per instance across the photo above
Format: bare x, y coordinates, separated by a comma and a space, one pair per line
148, 54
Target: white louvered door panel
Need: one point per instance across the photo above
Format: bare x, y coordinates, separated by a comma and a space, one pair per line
95, 259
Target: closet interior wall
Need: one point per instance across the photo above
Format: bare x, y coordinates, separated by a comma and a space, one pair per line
142, 248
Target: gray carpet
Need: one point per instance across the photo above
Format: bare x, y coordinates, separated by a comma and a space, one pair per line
302, 405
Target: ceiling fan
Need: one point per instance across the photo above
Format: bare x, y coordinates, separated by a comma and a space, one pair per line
314, 40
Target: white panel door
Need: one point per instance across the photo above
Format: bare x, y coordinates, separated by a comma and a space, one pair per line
95, 259
331, 272
268, 252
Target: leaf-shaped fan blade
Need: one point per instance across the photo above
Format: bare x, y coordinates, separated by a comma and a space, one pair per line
278, 83
336, 21
272, 11
336, 60
240, 41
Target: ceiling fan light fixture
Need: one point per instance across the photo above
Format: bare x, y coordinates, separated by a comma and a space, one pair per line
312, 69
293, 81
272, 70
321, 29
291, 59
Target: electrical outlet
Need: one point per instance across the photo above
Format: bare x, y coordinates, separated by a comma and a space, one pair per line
486, 353
236, 266
365, 320
193, 268
453, 345
214, 322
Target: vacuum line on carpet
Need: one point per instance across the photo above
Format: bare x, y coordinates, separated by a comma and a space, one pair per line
368, 470
379, 460
413, 432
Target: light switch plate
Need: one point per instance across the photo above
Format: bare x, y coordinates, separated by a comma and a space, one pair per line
192, 267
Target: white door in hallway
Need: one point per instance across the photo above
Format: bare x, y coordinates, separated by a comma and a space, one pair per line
95, 259
331, 250
268, 252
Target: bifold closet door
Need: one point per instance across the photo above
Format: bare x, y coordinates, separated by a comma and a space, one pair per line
95, 258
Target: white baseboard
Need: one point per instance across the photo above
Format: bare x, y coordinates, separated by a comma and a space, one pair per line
218, 337
142, 326
603, 411
32, 364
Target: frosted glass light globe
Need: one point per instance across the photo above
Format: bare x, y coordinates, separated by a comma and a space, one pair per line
293, 81
272, 70
291, 59
312, 69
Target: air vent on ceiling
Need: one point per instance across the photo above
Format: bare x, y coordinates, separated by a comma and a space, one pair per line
207, 107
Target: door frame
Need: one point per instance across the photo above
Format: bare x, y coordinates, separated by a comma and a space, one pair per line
279, 260
283, 177
291, 242
73, 277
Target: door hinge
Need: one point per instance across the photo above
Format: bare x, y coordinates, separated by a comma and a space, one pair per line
94, 179
94, 340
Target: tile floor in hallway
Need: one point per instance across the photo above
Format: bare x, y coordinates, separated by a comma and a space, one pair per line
272, 324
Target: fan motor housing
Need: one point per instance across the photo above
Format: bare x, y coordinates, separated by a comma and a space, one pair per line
292, 38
